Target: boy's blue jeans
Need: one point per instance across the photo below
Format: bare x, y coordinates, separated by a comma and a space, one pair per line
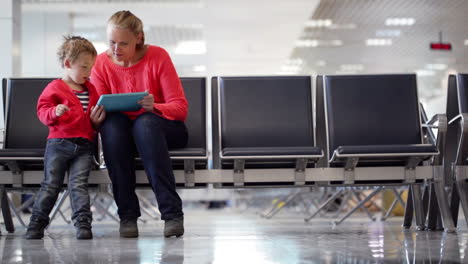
65, 155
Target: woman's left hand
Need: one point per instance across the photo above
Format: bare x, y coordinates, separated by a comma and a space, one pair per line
147, 103
97, 115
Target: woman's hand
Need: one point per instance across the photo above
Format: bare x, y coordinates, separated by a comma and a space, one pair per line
61, 109
147, 103
98, 114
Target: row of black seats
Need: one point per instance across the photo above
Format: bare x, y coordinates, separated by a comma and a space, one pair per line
367, 130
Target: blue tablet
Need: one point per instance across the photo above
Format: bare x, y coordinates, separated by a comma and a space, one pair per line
121, 102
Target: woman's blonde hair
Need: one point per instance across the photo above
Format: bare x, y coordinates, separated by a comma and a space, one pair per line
127, 20
72, 47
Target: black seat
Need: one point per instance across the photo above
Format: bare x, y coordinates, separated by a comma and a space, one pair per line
455, 153
25, 135
265, 121
374, 119
196, 149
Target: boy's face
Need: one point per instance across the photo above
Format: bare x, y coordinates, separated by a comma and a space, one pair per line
122, 43
80, 70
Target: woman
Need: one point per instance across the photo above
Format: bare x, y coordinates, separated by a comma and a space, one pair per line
131, 66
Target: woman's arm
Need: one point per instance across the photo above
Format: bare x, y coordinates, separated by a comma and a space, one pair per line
175, 106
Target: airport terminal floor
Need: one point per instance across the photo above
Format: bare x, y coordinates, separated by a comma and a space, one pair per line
230, 236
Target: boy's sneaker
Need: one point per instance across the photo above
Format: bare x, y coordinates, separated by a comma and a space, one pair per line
128, 228
174, 227
36, 229
83, 229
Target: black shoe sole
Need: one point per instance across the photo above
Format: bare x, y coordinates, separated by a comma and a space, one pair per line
129, 235
176, 235
33, 237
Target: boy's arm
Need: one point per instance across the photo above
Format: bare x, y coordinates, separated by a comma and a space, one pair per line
46, 110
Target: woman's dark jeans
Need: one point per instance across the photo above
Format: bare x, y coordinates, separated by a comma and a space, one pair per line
62, 155
153, 136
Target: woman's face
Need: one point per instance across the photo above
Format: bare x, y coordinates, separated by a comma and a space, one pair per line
122, 43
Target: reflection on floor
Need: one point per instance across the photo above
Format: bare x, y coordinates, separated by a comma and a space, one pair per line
223, 236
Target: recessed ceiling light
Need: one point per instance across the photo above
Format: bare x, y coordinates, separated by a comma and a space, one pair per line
400, 21
316, 43
351, 67
319, 23
378, 42
342, 26
436, 66
199, 68
424, 72
388, 33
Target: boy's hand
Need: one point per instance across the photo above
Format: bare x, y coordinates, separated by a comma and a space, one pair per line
147, 103
98, 114
61, 109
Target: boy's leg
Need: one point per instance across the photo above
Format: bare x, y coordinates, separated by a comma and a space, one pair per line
79, 170
56, 157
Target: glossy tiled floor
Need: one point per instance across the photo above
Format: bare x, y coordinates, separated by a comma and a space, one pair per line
229, 237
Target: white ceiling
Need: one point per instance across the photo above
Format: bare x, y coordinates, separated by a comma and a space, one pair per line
242, 37
258, 37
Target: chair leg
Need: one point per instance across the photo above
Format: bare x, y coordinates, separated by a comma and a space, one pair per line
463, 194
418, 207
15, 212
371, 216
444, 208
408, 218
282, 202
56, 209
455, 203
9, 226
433, 212
106, 211
324, 204
361, 203
149, 208
394, 203
390, 209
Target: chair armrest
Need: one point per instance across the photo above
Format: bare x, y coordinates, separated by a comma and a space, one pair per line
440, 119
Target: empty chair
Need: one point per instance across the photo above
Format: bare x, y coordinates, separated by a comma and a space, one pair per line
263, 123
374, 121
456, 147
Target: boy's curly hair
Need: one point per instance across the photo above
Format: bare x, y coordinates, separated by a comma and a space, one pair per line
71, 48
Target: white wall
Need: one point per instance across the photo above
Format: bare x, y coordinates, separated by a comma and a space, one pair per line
41, 36
10, 22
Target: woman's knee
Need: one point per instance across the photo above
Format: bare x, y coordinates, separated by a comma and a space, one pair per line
148, 122
115, 120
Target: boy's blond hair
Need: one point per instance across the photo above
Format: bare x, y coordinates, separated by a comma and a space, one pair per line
72, 47
127, 20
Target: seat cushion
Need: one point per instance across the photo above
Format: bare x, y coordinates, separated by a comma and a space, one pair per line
277, 151
391, 150
188, 152
23, 154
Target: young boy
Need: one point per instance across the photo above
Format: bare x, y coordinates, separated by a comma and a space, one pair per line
66, 106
